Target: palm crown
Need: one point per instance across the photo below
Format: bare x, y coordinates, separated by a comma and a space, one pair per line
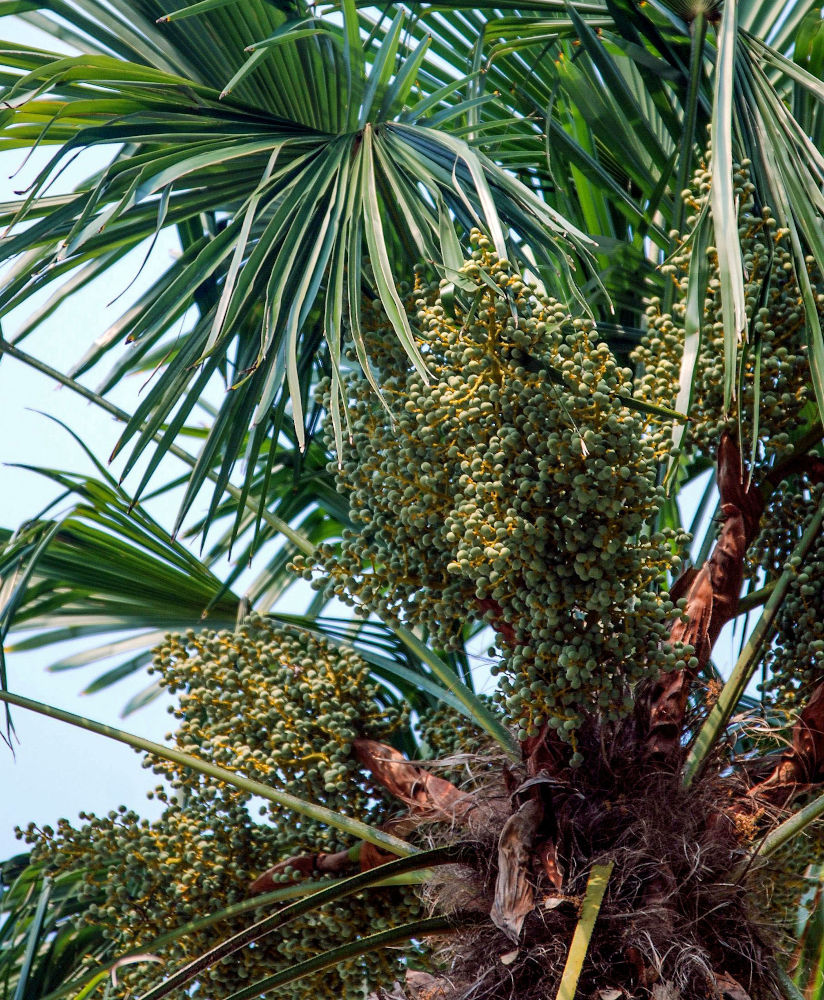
308, 161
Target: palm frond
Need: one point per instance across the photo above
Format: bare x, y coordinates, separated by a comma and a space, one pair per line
305, 184
42, 944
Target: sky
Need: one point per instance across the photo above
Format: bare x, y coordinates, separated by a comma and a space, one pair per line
57, 770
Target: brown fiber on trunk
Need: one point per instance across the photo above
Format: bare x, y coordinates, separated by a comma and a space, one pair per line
802, 764
711, 593
418, 985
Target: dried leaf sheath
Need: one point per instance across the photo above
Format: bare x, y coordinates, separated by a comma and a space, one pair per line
302, 866
427, 796
712, 594
514, 894
802, 764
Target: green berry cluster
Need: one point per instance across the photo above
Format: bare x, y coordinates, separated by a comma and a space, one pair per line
447, 736
282, 706
279, 706
514, 484
445, 732
791, 879
786, 510
796, 658
775, 366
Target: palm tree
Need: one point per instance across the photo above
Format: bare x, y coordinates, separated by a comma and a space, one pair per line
489, 288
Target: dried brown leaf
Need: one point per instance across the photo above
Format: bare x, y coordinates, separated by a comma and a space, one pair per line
514, 894
423, 986
427, 796
551, 902
304, 865
803, 763
730, 988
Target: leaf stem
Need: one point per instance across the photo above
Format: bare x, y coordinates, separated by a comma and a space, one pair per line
474, 706
698, 34
785, 832
591, 906
756, 598
362, 946
750, 656
355, 828
338, 889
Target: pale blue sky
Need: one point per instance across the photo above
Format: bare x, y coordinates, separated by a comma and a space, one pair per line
57, 769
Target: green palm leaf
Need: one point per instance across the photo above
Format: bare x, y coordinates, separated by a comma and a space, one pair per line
42, 943
363, 946
305, 192
352, 827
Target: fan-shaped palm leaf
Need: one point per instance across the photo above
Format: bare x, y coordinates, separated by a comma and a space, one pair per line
341, 161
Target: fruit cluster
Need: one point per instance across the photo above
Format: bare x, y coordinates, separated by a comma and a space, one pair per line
279, 706
514, 484
795, 660
773, 385
282, 706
